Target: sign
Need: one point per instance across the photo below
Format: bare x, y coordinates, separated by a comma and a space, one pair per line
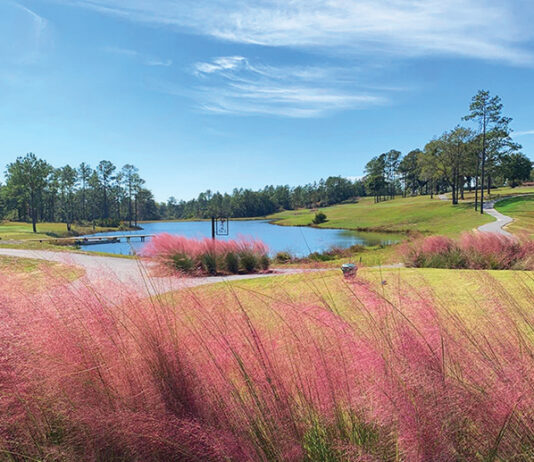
221, 226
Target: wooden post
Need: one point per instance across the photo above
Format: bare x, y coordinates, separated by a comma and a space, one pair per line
213, 228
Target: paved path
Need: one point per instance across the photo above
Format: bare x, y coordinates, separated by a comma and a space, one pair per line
135, 273
494, 226
502, 220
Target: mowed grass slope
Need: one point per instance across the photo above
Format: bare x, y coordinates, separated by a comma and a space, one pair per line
18, 231
398, 215
37, 275
521, 209
466, 292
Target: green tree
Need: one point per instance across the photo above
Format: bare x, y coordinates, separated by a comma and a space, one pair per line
105, 171
375, 176
515, 168
410, 171
486, 110
131, 177
392, 158
428, 165
68, 178
453, 158
84, 173
27, 178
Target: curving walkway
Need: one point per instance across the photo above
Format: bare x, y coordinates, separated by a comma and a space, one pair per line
489, 208
102, 271
502, 220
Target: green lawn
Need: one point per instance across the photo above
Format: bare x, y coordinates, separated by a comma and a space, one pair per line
399, 215
521, 209
36, 275
468, 292
498, 193
18, 231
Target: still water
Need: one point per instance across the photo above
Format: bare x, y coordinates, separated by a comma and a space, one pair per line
300, 241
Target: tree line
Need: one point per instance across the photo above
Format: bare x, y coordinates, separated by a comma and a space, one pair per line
106, 196
464, 158
243, 203
472, 158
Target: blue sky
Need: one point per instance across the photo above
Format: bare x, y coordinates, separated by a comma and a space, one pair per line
215, 94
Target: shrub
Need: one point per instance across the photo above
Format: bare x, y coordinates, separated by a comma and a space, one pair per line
108, 222
249, 262
232, 262
264, 262
209, 263
322, 256
320, 217
182, 262
473, 250
283, 257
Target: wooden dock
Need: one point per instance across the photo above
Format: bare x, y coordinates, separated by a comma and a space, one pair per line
97, 239
90, 240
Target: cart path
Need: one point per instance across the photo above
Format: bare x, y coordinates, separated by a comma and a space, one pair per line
136, 273
489, 208
502, 220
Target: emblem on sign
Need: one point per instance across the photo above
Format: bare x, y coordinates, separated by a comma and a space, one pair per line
221, 227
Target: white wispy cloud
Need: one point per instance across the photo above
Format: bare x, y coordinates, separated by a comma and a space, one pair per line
490, 30
159, 62
145, 59
220, 64
523, 133
233, 85
26, 34
40, 23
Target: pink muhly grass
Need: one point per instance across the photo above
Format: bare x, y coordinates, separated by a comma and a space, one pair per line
474, 250
166, 248
219, 376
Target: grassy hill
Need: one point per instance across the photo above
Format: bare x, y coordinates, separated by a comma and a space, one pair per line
399, 215
473, 289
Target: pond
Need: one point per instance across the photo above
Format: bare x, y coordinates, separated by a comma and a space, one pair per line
300, 241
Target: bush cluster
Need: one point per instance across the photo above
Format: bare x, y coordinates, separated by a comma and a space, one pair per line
319, 218
333, 253
207, 256
473, 250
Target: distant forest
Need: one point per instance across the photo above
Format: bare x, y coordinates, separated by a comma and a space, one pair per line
105, 196
108, 196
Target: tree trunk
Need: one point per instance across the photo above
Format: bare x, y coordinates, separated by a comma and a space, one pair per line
483, 167
476, 183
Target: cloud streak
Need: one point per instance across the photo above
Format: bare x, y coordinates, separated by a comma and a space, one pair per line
489, 30
146, 60
523, 133
232, 85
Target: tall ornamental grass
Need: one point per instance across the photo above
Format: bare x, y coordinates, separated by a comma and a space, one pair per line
474, 250
213, 376
207, 256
